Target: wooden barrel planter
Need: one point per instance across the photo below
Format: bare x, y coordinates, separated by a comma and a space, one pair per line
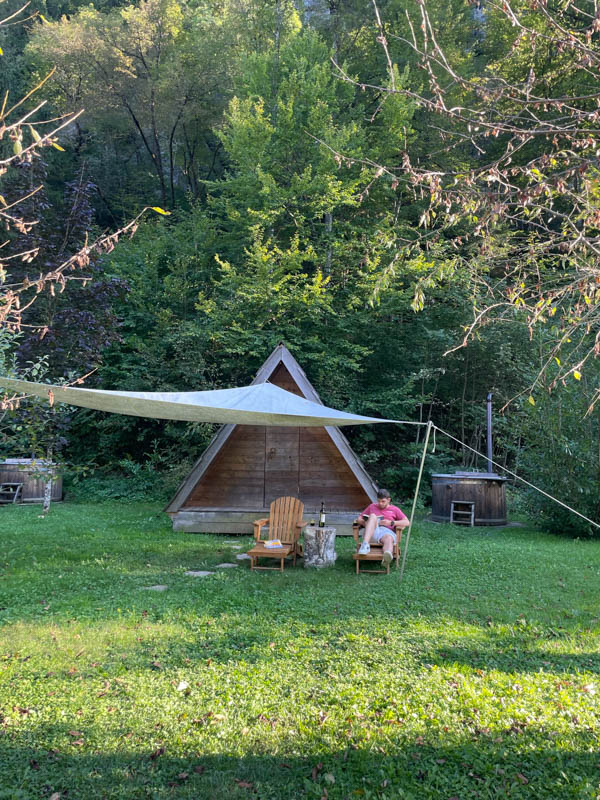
485, 489
32, 474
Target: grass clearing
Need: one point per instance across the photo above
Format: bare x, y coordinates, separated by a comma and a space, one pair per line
477, 676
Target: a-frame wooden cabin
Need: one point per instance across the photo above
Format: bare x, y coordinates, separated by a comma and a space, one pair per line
246, 467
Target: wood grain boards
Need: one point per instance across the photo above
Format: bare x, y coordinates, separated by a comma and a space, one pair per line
257, 464
489, 496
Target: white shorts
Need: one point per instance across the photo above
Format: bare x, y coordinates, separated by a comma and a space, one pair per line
380, 532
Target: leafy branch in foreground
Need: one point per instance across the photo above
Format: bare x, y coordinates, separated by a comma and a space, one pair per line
24, 134
514, 185
20, 143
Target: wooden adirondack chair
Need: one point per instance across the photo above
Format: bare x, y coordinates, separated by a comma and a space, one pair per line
376, 553
284, 523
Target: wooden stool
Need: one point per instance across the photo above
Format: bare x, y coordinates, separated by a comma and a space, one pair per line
462, 512
10, 492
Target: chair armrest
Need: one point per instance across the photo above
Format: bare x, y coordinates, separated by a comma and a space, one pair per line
303, 524
258, 524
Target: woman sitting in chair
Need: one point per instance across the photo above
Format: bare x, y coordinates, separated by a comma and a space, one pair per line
380, 520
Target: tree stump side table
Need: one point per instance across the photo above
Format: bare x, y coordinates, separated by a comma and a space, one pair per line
319, 547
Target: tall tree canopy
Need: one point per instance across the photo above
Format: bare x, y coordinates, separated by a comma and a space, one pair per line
371, 188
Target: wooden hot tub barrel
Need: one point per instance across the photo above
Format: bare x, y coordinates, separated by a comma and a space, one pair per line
486, 489
31, 473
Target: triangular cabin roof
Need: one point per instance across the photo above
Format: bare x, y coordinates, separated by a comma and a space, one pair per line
245, 467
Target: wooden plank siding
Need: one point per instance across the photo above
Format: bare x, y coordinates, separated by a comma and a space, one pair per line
258, 464
281, 377
282, 463
236, 477
325, 475
33, 478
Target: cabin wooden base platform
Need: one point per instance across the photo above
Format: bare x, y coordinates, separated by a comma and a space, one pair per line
240, 521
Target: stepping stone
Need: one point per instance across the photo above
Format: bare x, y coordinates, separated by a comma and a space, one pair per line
242, 556
159, 587
199, 573
236, 546
226, 566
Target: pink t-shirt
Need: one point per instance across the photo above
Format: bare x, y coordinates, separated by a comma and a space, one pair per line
391, 512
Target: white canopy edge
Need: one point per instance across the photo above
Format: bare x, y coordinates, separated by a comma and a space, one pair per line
259, 404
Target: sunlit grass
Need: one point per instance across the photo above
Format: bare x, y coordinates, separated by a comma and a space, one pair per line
477, 676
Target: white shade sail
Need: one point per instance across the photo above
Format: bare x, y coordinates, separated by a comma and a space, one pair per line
259, 404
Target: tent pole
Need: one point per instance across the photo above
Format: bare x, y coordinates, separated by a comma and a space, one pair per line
414, 505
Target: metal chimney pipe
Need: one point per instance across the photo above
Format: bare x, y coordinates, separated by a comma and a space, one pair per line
489, 432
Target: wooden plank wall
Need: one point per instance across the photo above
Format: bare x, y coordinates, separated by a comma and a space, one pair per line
325, 476
282, 463
236, 477
258, 464
282, 378
34, 482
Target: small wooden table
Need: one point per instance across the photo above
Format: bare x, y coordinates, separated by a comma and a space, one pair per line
319, 546
260, 551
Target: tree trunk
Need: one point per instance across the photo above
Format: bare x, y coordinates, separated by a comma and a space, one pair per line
48, 484
319, 547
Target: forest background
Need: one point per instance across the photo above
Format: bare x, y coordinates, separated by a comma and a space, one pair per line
277, 137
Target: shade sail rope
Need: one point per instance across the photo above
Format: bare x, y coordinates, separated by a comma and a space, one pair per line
519, 478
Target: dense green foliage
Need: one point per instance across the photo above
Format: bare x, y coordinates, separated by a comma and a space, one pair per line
475, 676
232, 116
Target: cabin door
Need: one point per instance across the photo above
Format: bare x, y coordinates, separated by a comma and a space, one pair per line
282, 463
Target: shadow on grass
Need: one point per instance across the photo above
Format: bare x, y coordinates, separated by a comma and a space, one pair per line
219, 616
514, 659
524, 765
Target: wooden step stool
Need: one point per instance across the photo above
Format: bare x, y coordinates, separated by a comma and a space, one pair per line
462, 512
10, 492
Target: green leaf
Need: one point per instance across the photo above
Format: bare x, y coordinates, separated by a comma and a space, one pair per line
160, 210
35, 134
17, 147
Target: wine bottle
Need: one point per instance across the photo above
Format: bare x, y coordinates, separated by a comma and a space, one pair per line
322, 516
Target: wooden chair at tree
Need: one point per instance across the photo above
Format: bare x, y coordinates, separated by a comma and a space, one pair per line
376, 553
284, 523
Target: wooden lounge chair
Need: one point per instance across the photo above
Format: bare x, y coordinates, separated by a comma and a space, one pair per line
376, 553
284, 523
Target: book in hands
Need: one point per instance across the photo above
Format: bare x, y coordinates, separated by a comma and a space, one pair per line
272, 544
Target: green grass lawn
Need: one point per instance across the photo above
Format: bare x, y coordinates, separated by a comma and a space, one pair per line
477, 676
